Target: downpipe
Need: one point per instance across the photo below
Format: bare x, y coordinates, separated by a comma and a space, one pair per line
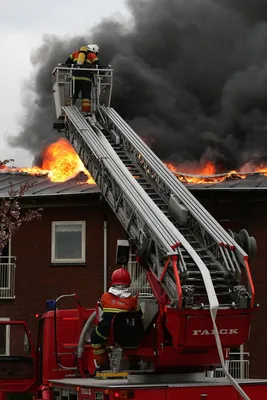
105, 256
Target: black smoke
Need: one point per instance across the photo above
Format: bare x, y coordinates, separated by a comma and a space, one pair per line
190, 77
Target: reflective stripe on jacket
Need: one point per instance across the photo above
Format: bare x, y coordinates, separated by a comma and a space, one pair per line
84, 57
113, 304
89, 59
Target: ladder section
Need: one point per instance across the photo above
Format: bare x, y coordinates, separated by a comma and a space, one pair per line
193, 286
138, 213
226, 257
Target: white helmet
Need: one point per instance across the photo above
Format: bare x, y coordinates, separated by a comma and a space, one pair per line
93, 47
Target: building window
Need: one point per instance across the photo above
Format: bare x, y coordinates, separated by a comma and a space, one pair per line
4, 338
7, 273
5, 260
68, 242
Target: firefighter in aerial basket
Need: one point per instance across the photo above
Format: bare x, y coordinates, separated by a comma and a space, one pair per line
86, 57
118, 299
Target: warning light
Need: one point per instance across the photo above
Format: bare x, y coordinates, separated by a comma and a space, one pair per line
51, 305
123, 394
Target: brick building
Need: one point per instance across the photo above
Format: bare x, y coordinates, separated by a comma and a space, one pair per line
39, 262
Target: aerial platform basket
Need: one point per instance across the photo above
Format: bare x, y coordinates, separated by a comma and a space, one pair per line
63, 81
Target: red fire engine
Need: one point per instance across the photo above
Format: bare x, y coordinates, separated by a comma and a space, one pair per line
197, 293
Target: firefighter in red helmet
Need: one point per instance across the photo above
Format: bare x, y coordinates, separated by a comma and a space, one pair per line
86, 57
117, 299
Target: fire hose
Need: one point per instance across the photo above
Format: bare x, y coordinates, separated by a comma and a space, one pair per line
213, 313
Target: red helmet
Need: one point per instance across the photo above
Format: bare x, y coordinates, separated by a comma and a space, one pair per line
120, 277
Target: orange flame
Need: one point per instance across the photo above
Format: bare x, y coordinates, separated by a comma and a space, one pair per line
253, 167
209, 169
172, 167
207, 173
192, 168
211, 178
63, 162
60, 163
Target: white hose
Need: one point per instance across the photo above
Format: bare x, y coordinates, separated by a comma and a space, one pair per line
213, 313
85, 329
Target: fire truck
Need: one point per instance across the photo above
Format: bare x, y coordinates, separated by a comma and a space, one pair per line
193, 277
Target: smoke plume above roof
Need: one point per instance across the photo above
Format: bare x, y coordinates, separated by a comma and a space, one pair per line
190, 76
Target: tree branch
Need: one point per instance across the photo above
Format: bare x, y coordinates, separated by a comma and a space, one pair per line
12, 217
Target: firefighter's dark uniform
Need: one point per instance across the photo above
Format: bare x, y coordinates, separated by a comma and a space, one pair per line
82, 79
111, 305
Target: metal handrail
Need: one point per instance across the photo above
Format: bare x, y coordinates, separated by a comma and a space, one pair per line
63, 81
238, 367
7, 277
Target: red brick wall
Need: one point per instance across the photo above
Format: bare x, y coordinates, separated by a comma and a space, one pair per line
37, 280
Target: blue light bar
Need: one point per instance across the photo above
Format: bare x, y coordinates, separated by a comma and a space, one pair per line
51, 305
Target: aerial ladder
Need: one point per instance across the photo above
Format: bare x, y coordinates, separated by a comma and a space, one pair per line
190, 254
199, 272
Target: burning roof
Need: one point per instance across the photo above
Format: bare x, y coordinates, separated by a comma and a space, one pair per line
78, 185
60, 163
62, 172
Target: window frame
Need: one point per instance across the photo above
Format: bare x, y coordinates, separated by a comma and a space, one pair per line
8, 263
7, 337
53, 243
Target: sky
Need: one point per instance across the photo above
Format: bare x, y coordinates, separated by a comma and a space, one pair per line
22, 26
